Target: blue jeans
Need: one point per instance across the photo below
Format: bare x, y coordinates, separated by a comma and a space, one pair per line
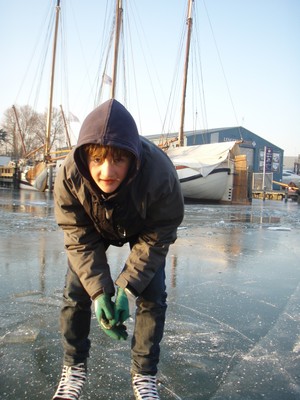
75, 319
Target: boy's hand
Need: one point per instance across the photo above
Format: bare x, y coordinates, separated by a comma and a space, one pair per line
104, 309
118, 332
121, 306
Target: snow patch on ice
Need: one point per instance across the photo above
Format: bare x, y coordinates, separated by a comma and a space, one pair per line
296, 348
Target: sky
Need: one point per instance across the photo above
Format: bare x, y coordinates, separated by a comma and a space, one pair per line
248, 66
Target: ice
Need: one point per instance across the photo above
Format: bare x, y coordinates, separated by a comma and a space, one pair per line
23, 334
232, 330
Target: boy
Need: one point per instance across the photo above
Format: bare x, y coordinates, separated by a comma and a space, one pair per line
114, 188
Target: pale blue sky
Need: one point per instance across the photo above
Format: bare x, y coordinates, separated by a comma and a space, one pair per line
258, 43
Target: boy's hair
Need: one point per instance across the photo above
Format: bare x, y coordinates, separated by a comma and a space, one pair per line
101, 151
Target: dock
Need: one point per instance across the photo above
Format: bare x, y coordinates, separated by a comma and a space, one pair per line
9, 176
276, 195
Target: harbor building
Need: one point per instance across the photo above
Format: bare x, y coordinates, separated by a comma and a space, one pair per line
260, 153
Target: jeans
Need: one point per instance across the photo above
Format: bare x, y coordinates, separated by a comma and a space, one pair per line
75, 319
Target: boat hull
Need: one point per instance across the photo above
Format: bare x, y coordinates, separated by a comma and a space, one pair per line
195, 186
39, 178
25, 185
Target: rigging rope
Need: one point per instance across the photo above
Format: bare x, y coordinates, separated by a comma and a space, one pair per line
105, 53
49, 16
172, 108
223, 70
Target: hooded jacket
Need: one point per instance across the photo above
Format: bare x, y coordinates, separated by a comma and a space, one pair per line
145, 210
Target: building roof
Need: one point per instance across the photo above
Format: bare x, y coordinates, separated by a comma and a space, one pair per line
235, 133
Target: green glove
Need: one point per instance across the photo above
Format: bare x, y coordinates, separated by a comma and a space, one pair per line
116, 332
104, 308
121, 307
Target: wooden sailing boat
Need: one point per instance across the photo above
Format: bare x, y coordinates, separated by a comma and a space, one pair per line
39, 176
204, 171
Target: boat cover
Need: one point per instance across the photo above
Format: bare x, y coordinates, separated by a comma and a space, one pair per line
203, 158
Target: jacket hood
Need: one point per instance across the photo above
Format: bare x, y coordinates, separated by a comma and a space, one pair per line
110, 124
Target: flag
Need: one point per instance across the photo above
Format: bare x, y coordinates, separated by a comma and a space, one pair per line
73, 118
107, 79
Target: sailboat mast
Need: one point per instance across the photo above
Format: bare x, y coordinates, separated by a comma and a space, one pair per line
185, 75
20, 131
49, 116
66, 128
119, 12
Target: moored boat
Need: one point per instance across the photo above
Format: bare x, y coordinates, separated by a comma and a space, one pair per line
204, 171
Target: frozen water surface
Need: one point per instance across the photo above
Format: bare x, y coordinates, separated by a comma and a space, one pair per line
233, 326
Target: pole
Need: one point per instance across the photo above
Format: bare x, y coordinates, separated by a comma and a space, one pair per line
49, 115
264, 174
186, 66
119, 12
66, 128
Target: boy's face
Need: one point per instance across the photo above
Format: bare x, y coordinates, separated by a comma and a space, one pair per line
110, 172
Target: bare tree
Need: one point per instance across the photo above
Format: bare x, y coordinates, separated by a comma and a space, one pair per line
26, 132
